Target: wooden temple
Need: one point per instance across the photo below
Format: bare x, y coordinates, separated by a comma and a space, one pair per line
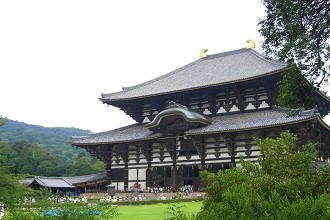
202, 116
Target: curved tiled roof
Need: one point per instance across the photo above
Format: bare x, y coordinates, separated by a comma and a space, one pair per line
130, 133
58, 182
86, 178
223, 123
64, 182
255, 120
213, 70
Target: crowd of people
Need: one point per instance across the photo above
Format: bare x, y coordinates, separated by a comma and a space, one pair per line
58, 199
159, 193
133, 194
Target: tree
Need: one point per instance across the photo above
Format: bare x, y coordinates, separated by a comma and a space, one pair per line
11, 191
2, 121
296, 92
282, 185
297, 31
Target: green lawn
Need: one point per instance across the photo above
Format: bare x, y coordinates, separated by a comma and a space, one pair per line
153, 212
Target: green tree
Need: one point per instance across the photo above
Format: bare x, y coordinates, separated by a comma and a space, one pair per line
2, 121
282, 185
11, 191
298, 31
296, 92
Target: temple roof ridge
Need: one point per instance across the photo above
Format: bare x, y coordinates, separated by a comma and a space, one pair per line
213, 70
242, 50
127, 88
260, 55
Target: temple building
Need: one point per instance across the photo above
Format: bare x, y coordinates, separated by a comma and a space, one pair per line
202, 116
72, 185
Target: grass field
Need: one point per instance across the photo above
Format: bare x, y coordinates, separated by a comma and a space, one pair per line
153, 212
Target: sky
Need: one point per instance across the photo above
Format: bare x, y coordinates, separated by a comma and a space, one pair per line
57, 57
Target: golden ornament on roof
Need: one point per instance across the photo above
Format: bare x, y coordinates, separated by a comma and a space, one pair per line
251, 43
202, 53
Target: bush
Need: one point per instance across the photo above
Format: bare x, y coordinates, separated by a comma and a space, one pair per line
282, 186
175, 212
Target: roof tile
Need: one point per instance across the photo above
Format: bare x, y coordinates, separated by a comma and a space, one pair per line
217, 69
222, 123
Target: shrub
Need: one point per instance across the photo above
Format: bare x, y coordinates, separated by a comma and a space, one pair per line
282, 186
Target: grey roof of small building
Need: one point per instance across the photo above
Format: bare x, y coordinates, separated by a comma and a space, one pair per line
64, 182
52, 182
85, 179
218, 69
26, 181
223, 123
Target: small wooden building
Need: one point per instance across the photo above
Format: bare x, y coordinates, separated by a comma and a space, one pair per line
202, 116
73, 185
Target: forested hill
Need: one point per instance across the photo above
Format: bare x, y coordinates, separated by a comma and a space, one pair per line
53, 138
42, 151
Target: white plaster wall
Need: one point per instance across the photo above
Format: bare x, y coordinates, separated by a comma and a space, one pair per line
250, 106
155, 160
131, 184
240, 154
221, 110
120, 186
132, 174
189, 163
234, 109
143, 160
210, 156
255, 153
264, 105
143, 185
167, 159
142, 174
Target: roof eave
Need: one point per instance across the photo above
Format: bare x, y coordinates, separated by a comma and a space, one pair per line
114, 142
109, 100
262, 127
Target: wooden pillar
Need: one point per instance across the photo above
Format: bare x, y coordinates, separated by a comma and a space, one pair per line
174, 182
108, 164
154, 177
200, 147
230, 144
146, 150
126, 168
149, 177
211, 98
123, 151
174, 178
170, 143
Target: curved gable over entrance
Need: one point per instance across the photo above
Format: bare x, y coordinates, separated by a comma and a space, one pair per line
177, 119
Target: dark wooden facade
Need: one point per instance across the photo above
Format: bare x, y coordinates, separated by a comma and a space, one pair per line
237, 97
174, 162
173, 153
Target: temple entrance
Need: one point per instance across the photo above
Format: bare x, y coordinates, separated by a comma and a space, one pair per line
190, 176
164, 176
188, 182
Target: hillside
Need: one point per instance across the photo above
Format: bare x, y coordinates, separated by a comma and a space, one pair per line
53, 138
